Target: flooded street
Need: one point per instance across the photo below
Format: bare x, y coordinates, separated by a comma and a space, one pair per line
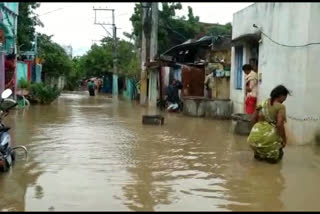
93, 153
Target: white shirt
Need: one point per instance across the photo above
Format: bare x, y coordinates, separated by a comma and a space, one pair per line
252, 80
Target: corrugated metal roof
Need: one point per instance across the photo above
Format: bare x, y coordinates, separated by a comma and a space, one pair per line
204, 41
223, 42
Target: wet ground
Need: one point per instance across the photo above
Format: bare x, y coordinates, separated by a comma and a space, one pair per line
93, 153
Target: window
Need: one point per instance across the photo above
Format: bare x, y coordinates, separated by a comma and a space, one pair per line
238, 66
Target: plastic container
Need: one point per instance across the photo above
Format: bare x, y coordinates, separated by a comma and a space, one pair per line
241, 123
152, 119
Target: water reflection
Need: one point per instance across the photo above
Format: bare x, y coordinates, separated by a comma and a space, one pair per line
255, 187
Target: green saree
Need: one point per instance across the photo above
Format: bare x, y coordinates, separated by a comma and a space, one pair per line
263, 138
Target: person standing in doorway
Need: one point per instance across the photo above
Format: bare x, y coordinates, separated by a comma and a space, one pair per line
254, 64
251, 81
209, 82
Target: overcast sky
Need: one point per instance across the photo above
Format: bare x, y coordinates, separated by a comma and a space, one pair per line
73, 23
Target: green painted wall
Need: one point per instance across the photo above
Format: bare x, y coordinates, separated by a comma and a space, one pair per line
22, 71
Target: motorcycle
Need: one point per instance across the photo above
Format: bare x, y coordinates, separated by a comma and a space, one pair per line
7, 152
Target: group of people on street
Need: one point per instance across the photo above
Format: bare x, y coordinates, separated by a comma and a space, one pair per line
94, 85
267, 137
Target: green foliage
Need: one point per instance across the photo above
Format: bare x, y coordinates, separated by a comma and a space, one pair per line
172, 30
56, 61
39, 92
99, 59
27, 21
175, 30
24, 84
43, 94
221, 30
76, 74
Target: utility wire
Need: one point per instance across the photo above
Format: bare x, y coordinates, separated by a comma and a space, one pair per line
289, 46
61, 8
176, 32
121, 14
50, 12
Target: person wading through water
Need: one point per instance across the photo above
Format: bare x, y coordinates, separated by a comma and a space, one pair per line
267, 137
91, 88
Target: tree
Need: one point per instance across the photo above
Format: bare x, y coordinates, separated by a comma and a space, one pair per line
27, 20
56, 61
75, 75
172, 30
175, 30
221, 30
99, 59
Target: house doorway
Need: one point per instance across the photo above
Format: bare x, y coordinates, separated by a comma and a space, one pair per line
251, 97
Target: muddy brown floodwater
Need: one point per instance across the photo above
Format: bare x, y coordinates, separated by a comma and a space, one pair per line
93, 153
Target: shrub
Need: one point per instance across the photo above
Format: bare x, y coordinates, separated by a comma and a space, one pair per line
24, 84
43, 94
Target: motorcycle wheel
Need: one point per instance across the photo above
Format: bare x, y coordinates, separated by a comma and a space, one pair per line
4, 167
13, 156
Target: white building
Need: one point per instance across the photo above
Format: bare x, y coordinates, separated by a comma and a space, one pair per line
68, 49
298, 68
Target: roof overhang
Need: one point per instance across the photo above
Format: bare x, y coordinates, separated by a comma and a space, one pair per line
246, 38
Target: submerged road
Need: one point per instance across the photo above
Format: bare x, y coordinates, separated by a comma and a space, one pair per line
93, 153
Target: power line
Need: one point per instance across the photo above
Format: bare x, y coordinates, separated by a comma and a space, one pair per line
50, 12
121, 14
64, 7
176, 32
288, 46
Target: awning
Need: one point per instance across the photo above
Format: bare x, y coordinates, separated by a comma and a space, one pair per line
246, 38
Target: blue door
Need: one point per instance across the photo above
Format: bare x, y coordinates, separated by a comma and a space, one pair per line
238, 64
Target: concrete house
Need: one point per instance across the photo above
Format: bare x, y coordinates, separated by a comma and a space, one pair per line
284, 38
190, 62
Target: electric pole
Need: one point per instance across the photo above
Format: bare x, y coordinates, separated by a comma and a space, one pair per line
115, 60
154, 31
144, 53
114, 49
153, 75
